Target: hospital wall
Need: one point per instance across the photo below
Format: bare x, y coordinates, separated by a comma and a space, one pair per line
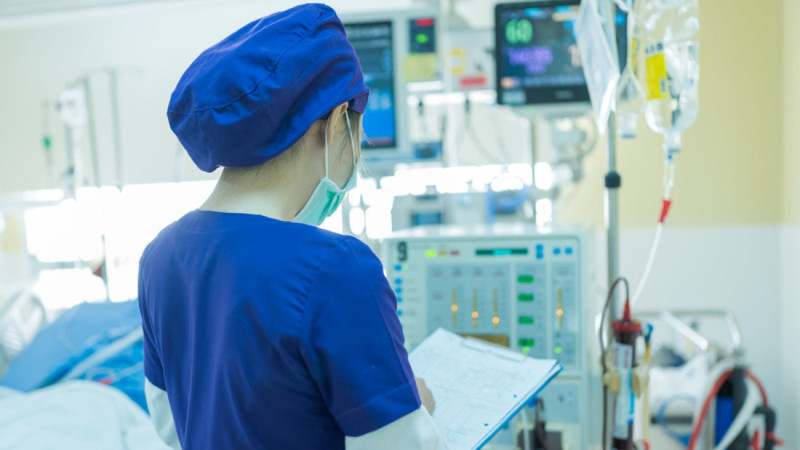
790, 242
736, 215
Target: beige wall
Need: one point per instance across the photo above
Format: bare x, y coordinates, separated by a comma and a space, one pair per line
730, 169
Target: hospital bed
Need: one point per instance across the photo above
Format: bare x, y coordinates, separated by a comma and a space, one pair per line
78, 382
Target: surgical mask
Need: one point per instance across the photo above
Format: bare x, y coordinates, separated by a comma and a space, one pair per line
327, 196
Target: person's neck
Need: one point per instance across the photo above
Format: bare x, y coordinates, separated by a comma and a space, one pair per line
277, 202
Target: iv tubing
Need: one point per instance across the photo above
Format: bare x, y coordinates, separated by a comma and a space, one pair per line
669, 182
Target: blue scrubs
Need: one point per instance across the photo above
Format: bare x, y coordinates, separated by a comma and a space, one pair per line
270, 334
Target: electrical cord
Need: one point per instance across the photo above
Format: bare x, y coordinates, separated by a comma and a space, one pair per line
603, 349
537, 423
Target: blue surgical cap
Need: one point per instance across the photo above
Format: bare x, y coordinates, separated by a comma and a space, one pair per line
250, 97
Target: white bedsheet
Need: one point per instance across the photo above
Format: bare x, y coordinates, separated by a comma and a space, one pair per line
74, 415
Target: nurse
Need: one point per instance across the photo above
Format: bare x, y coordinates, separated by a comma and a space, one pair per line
262, 331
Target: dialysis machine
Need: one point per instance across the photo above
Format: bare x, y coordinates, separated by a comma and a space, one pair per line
513, 285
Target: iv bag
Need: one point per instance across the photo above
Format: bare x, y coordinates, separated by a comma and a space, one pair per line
630, 99
673, 68
600, 63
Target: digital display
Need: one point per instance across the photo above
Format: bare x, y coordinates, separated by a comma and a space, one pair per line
373, 45
422, 35
538, 60
537, 53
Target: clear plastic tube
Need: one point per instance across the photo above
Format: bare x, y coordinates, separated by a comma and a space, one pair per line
669, 183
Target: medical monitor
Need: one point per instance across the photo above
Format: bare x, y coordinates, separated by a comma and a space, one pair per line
538, 61
373, 43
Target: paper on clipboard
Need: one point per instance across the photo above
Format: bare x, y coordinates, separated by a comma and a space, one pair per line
477, 386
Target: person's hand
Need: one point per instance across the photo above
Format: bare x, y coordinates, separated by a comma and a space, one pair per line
425, 395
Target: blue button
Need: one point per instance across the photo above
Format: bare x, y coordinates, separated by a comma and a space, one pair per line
398, 291
399, 299
398, 267
556, 251
399, 312
539, 256
568, 250
540, 248
398, 281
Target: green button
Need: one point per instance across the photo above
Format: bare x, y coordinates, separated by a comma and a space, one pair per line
525, 279
525, 297
526, 342
525, 320
526, 350
558, 350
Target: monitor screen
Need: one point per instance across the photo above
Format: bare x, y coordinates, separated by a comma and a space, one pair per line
538, 60
372, 42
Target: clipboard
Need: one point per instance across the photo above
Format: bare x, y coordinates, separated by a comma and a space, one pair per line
478, 386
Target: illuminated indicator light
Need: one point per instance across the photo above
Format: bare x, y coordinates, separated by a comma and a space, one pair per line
502, 252
496, 321
525, 297
525, 279
430, 253
422, 38
526, 343
454, 308
425, 22
442, 253
474, 308
526, 350
526, 320
558, 350
560, 309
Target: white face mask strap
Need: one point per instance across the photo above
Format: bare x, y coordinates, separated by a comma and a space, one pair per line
327, 122
352, 141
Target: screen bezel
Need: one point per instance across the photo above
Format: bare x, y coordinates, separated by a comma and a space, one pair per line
537, 95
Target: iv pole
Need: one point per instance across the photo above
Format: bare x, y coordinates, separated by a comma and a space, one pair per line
613, 180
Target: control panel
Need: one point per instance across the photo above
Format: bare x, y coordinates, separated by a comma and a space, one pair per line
520, 291
513, 285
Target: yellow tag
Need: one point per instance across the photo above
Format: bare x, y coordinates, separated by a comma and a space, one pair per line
656, 65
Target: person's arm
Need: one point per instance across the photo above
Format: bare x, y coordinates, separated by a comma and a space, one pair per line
355, 354
156, 396
161, 414
416, 430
